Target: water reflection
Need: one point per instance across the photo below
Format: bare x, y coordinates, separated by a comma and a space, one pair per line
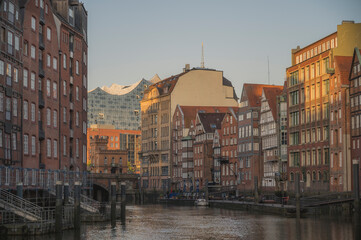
165, 222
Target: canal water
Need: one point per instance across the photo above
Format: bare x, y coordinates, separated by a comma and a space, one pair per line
175, 222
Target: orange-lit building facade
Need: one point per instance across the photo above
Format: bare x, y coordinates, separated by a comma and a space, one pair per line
105, 160
125, 140
318, 145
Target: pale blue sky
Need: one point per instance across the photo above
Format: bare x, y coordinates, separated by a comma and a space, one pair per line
130, 40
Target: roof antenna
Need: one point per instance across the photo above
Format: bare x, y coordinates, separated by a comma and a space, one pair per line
268, 71
202, 61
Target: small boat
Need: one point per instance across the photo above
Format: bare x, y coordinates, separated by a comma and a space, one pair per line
201, 202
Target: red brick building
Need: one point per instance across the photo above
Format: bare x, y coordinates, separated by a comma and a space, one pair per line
319, 146
54, 84
182, 143
205, 126
249, 140
355, 98
11, 82
228, 160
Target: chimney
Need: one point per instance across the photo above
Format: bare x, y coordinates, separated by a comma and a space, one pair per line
186, 68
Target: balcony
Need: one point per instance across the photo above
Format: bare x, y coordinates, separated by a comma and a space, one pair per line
41, 99
42, 19
41, 131
330, 70
223, 160
41, 42
41, 69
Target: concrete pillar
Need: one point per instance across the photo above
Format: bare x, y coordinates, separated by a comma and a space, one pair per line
256, 197
66, 193
297, 188
122, 212
77, 189
59, 207
356, 187
19, 189
113, 207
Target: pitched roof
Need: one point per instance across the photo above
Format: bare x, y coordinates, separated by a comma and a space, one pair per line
211, 121
271, 94
190, 112
253, 93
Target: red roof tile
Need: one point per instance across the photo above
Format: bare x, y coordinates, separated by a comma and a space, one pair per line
271, 94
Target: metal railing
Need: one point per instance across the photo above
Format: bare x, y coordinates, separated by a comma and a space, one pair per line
20, 206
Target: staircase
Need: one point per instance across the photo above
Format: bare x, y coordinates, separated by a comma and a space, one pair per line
86, 203
20, 206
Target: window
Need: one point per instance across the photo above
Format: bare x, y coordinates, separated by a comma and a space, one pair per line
32, 52
48, 117
25, 109
48, 33
2, 67
14, 142
55, 63
55, 118
55, 148
16, 75
64, 114
64, 145
48, 60
64, 88
33, 23
77, 67
33, 112
26, 144
48, 87
32, 81
55, 90
77, 93
64, 61
48, 148
33, 149
25, 78
77, 147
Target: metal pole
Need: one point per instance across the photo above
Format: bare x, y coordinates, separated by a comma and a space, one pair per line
356, 187
113, 190
66, 193
298, 204
122, 212
77, 186
59, 207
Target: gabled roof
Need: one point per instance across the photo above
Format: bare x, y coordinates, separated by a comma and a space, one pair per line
271, 94
190, 112
344, 66
253, 93
165, 86
356, 54
211, 121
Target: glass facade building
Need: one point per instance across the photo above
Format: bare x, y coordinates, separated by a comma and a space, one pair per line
116, 105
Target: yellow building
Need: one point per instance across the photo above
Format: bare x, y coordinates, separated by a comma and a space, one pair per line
192, 87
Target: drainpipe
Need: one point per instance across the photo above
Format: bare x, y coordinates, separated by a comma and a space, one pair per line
59, 110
